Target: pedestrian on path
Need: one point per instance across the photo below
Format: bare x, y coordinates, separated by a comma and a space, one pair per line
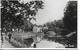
9, 36
2, 38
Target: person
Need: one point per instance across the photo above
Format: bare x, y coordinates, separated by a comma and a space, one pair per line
34, 42
9, 36
2, 37
34, 46
36, 39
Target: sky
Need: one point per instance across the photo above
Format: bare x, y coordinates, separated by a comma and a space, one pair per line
53, 10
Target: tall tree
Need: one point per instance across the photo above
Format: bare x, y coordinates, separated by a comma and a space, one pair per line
16, 14
70, 16
70, 22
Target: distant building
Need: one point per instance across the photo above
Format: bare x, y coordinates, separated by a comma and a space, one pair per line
37, 29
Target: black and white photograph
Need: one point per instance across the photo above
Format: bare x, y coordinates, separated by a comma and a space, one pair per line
38, 24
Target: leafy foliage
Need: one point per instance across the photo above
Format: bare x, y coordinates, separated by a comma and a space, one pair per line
70, 16
16, 15
57, 26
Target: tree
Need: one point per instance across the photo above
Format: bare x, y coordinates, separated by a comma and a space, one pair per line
16, 14
70, 22
56, 26
70, 16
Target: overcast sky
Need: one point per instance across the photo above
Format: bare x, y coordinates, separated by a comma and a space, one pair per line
53, 10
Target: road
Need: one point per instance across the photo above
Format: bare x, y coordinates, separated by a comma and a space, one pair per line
49, 44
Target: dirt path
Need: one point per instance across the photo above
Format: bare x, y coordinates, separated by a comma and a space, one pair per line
49, 44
